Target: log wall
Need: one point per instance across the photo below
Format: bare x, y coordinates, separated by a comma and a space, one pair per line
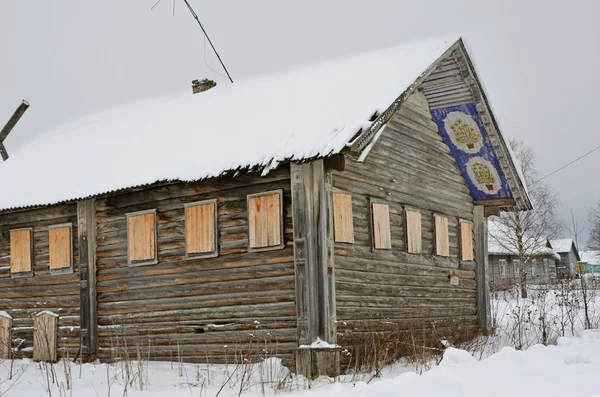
409, 166
24, 297
197, 309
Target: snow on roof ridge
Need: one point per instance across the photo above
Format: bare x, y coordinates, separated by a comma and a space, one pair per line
47, 313
298, 114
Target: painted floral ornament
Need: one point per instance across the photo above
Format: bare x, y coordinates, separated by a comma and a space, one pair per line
484, 175
464, 132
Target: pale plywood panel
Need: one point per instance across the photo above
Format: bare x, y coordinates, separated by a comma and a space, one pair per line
44, 337
200, 228
413, 232
382, 237
5, 340
442, 242
142, 235
342, 218
20, 251
60, 247
264, 221
466, 238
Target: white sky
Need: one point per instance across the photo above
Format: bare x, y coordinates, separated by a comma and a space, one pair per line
538, 61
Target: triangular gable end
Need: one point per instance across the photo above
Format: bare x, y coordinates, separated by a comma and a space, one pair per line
466, 123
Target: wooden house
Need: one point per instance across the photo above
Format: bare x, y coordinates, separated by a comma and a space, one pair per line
267, 215
569, 256
504, 267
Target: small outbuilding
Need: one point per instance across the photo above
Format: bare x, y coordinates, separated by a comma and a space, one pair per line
270, 217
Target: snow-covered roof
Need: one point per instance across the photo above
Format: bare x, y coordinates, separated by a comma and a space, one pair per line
311, 111
591, 257
501, 242
562, 245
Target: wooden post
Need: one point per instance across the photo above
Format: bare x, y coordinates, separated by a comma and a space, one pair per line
481, 258
9, 126
45, 326
5, 335
86, 219
313, 259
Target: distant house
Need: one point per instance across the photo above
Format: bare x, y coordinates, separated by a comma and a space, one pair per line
504, 266
569, 256
261, 218
591, 260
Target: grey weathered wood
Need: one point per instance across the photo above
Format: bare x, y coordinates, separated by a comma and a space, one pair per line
14, 119
86, 220
481, 258
313, 261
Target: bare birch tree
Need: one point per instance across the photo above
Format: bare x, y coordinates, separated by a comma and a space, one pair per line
525, 233
594, 224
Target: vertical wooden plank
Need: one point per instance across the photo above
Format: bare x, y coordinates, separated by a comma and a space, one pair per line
59, 240
442, 243
273, 219
200, 228
382, 238
88, 320
466, 241
20, 251
44, 336
5, 337
264, 221
481, 258
252, 222
413, 232
343, 222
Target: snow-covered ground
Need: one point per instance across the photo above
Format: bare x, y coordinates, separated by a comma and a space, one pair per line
571, 367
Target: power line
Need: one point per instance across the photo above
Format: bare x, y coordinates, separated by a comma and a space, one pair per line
565, 166
206, 35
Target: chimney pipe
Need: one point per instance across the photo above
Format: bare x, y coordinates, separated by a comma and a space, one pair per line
202, 85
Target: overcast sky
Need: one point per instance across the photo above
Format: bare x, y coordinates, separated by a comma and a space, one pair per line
539, 61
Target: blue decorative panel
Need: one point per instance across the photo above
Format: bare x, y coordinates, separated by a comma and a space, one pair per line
462, 130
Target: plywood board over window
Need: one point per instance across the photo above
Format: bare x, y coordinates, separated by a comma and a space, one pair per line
201, 229
61, 248
5, 335
466, 241
141, 236
265, 221
382, 237
44, 336
442, 241
343, 226
413, 232
21, 248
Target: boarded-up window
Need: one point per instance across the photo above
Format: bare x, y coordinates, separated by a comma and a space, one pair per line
141, 231
466, 241
265, 227
5, 335
342, 218
413, 232
59, 240
382, 238
200, 228
442, 243
20, 251
44, 336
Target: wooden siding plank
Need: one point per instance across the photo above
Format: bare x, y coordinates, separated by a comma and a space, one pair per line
200, 228
20, 251
382, 236
466, 241
44, 337
142, 237
342, 218
5, 338
442, 241
60, 247
413, 232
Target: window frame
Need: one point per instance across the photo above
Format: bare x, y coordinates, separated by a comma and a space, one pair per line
406, 246
212, 254
32, 256
373, 201
281, 245
435, 234
64, 270
143, 262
